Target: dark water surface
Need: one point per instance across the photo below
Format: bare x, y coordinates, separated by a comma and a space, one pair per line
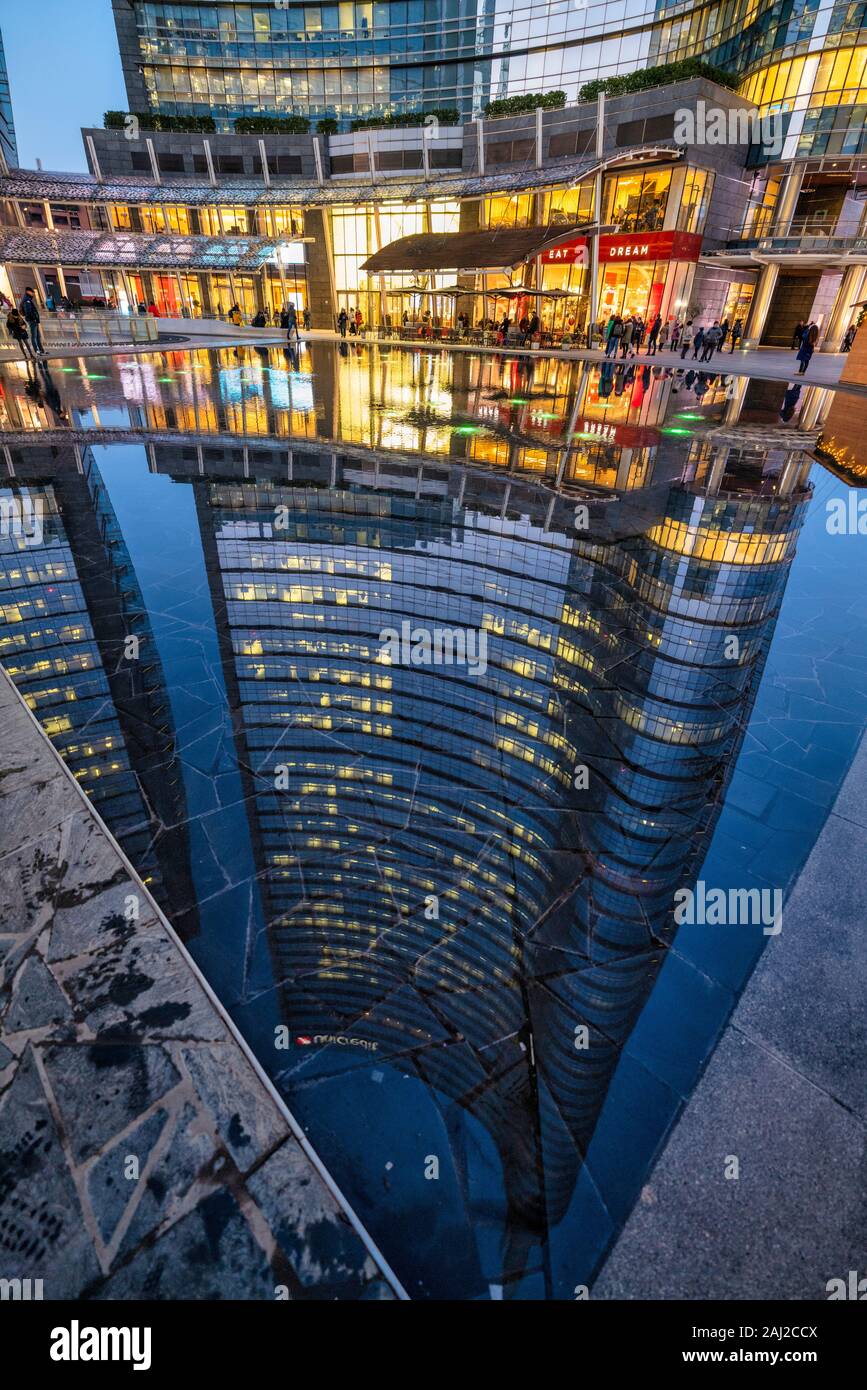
437, 896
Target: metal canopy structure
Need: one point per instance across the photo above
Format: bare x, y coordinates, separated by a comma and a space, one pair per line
107, 250
120, 188
493, 249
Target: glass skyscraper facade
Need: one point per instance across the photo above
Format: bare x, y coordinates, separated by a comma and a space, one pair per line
7, 123
357, 59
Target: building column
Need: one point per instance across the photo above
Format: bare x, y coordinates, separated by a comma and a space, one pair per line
850, 292
788, 201
761, 305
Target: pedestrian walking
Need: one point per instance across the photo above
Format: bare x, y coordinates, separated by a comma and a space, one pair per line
737, 334
615, 333
291, 325
653, 335
697, 342
341, 323
712, 340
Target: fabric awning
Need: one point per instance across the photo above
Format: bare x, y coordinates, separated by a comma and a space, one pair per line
497, 248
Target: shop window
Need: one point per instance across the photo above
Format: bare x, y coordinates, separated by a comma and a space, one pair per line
697, 189
636, 202
569, 205
504, 211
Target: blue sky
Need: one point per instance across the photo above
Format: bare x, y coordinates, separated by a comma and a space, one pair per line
64, 72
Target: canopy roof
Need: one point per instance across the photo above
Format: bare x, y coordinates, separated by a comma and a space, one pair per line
495, 248
23, 246
298, 192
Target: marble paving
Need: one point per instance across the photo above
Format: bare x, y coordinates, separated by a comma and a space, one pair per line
142, 1153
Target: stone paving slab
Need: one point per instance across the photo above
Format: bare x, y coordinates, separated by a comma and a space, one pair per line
785, 1094
143, 1153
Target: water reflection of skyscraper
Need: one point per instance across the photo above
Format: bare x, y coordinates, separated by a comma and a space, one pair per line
553, 902
70, 608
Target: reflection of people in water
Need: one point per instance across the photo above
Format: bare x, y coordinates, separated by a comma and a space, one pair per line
606, 380
52, 396
790, 402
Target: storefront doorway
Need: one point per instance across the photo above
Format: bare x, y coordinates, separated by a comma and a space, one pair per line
792, 301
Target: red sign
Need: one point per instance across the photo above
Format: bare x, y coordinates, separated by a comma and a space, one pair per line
650, 246
572, 252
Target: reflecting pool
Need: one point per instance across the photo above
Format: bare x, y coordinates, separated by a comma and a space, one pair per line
416, 686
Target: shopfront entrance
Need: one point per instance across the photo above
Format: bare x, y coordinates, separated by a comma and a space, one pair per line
646, 274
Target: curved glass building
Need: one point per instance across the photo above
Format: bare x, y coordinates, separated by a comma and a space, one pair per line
358, 59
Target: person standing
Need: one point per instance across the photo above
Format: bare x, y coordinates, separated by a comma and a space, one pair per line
30, 313
812, 333
737, 334
664, 333
615, 333
341, 323
16, 327
637, 333
686, 339
306, 317
626, 337
359, 320
805, 352
712, 340
697, 343
724, 333
849, 338
291, 325
653, 335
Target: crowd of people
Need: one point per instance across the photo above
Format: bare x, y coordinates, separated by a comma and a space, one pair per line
627, 334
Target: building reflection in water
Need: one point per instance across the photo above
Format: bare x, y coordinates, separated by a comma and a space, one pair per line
438, 890
76, 639
468, 879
